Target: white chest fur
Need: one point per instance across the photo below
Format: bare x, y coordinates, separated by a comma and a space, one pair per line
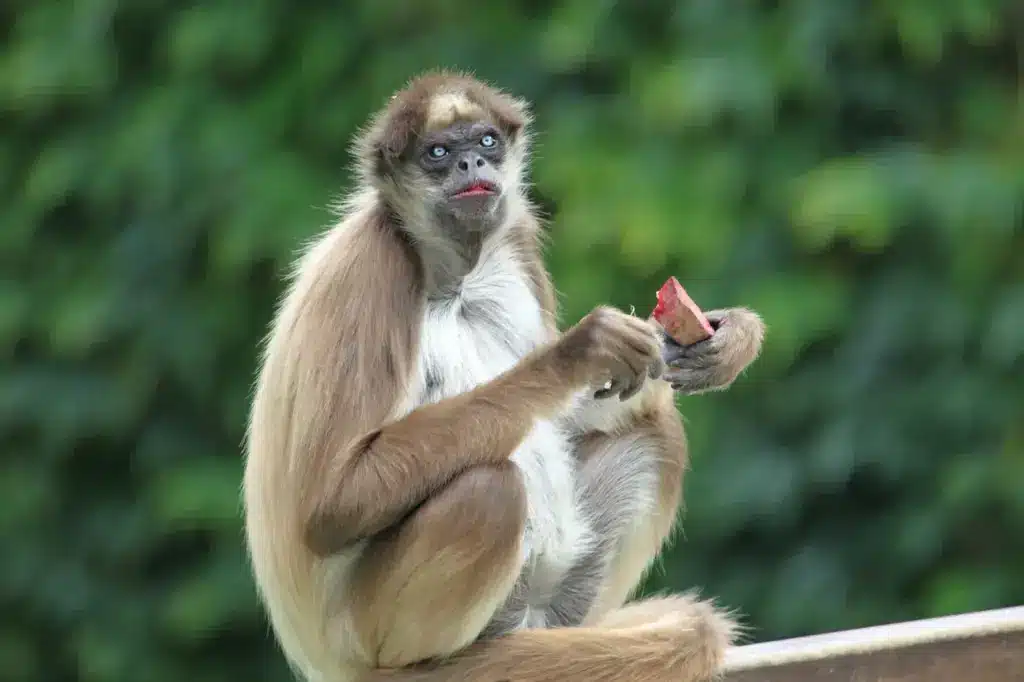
469, 340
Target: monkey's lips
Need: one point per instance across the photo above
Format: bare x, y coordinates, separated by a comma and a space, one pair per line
477, 189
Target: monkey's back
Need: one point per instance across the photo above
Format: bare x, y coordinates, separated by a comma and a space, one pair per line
328, 335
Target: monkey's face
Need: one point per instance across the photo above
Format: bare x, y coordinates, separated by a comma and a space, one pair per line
463, 163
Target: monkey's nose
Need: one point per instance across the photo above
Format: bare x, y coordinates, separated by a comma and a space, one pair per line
464, 163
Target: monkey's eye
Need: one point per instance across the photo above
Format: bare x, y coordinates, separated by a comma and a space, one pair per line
488, 140
437, 152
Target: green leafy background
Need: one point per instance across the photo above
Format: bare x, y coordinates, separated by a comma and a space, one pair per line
854, 170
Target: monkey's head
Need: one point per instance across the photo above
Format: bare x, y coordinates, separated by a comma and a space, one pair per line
448, 154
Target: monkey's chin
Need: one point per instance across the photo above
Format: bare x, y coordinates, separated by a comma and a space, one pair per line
477, 212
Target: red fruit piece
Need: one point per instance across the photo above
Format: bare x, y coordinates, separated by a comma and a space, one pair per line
679, 316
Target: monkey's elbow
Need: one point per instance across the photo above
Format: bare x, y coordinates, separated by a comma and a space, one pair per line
350, 517
325, 535
330, 533
329, 530
342, 515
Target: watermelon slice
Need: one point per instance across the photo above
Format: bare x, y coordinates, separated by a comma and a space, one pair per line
679, 316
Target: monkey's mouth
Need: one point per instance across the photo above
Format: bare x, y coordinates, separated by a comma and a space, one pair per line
480, 188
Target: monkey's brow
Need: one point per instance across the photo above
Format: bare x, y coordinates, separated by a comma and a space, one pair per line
459, 132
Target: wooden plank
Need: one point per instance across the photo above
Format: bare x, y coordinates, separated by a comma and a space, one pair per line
985, 646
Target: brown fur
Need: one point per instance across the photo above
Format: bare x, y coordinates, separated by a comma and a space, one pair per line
470, 532
528, 242
382, 536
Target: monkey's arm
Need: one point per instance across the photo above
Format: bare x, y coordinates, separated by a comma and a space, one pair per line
713, 364
388, 472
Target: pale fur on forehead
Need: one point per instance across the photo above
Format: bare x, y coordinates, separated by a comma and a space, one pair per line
447, 107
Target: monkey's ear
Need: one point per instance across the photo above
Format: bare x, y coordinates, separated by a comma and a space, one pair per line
510, 113
395, 133
395, 140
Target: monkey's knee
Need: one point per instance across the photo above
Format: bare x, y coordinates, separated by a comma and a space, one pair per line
428, 587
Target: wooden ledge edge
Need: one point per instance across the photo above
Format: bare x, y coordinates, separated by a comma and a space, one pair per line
876, 639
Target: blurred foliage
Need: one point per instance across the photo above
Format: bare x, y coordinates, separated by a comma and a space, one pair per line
854, 170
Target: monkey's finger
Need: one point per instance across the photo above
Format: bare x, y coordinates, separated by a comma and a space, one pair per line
632, 389
614, 387
605, 390
618, 372
717, 317
692, 389
701, 354
657, 368
639, 338
647, 338
642, 326
689, 375
697, 364
687, 381
633, 361
651, 345
681, 376
672, 351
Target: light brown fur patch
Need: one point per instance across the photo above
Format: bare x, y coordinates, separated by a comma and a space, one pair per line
430, 585
448, 107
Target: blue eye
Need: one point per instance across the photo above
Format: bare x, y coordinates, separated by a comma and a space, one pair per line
437, 152
488, 141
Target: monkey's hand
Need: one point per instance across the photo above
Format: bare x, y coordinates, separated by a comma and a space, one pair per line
713, 364
612, 351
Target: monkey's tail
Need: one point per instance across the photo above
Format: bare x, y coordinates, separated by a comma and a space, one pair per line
687, 646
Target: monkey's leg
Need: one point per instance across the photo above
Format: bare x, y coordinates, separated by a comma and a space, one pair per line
429, 586
633, 479
632, 464
619, 490
631, 483
634, 476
